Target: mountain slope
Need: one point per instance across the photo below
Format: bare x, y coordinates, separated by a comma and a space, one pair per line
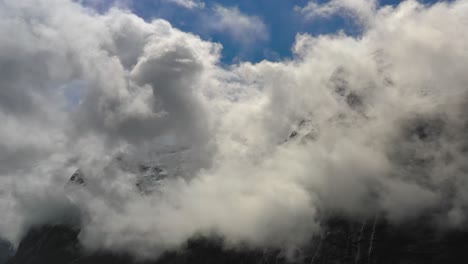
6, 251
342, 241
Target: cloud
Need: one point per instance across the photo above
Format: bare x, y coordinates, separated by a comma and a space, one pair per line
362, 10
190, 4
256, 153
242, 28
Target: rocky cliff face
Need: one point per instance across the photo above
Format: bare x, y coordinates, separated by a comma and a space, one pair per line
342, 241
6, 251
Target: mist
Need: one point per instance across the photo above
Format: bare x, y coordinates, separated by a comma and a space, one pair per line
366, 125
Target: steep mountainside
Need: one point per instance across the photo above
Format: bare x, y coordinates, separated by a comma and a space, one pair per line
6, 251
342, 241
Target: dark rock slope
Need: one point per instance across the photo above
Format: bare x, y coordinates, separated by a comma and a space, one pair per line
342, 241
6, 251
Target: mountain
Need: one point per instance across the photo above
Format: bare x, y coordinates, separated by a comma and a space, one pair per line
6, 251
342, 241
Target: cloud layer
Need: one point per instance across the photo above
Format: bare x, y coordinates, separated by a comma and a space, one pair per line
379, 126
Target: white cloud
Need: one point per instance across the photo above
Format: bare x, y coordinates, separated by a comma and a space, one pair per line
362, 10
242, 28
190, 4
386, 113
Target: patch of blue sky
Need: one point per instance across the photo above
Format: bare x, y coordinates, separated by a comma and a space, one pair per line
73, 92
282, 23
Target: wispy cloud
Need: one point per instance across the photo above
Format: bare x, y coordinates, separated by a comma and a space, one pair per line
190, 4
242, 28
362, 10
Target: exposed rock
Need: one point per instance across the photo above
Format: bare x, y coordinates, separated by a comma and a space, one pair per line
150, 179
304, 131
6, 251
49, 244
343, 241
77, 178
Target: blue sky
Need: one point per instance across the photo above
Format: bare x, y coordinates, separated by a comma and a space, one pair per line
279, 20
